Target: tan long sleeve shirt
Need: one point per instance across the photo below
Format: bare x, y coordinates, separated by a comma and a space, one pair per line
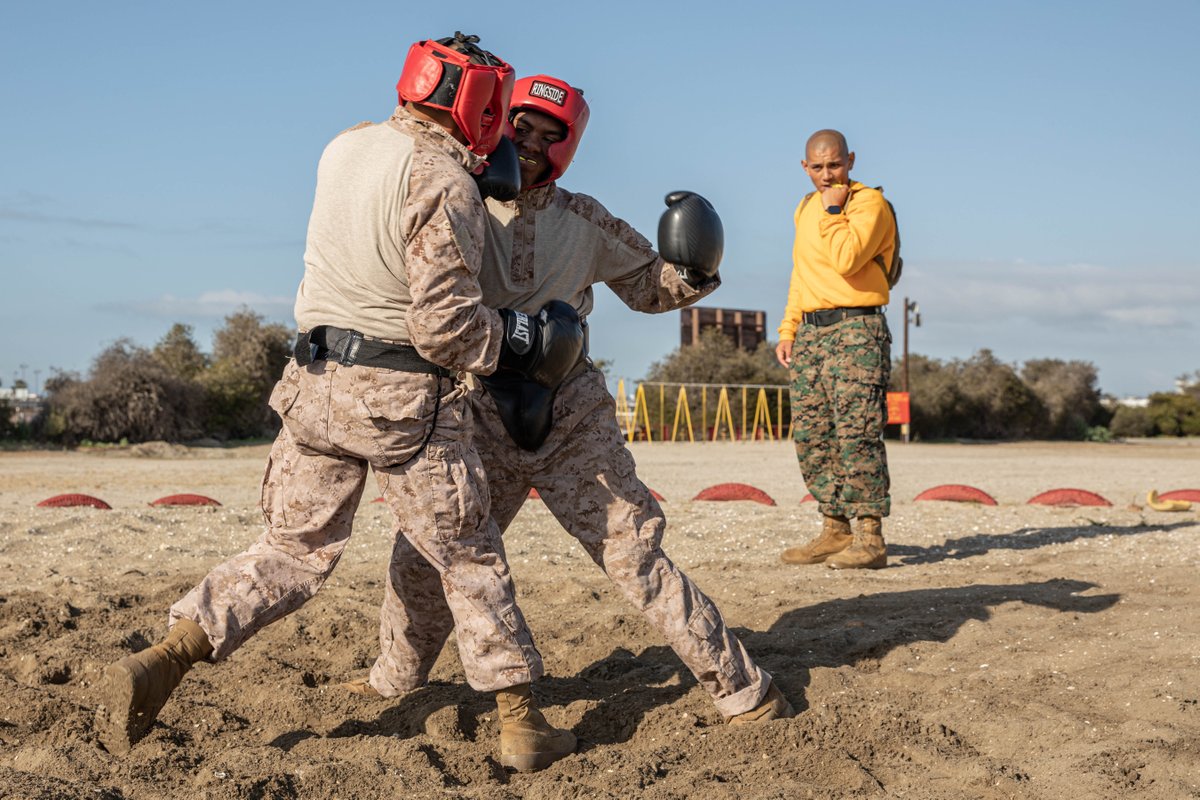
551, 244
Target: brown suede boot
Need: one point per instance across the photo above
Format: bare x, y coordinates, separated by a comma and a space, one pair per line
527, 741
773, 706
135, 689
868, 550
834, 538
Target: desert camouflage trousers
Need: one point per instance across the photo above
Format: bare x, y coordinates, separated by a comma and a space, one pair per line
586, 477
337, 420
839, 377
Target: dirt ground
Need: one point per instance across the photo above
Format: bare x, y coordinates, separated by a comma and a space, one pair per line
1009, 651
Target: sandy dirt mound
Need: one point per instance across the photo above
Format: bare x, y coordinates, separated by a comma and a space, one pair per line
1008, 651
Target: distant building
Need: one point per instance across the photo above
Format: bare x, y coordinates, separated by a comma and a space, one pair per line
25, 404
747, 329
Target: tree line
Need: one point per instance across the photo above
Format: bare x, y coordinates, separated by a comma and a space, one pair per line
172, 391
176, 392
980, 397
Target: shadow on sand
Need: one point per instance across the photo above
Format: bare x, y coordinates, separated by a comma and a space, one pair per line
859, 631
1021, 539
854, 631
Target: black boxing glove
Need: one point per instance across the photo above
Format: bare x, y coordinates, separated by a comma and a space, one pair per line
690, 235
543, 348
500, 176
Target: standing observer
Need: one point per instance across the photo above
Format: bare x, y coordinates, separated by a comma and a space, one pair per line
834, 339
388, 309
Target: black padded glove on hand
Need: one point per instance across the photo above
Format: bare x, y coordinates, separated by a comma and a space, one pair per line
501, 175
690, 235
543, 348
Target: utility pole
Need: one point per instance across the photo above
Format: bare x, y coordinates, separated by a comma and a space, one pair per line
911, 311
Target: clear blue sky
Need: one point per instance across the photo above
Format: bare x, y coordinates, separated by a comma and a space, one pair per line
159, 158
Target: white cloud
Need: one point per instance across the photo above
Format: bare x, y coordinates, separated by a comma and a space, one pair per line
1137, 325
1055, 296
10, 214
215, 304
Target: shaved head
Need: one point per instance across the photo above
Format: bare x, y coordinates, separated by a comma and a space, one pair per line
827, 139
828, 160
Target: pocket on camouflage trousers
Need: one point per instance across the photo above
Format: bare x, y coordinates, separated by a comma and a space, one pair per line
864, 351
395, 408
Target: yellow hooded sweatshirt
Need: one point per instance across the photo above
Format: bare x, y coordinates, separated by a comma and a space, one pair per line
833, 256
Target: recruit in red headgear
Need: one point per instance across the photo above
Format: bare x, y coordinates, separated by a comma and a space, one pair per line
477, 101
563, 102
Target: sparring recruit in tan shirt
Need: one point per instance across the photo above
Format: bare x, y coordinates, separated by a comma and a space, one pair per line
393, 253
550, 243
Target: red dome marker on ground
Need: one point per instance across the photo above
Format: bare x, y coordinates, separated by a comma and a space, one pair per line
735, 491
1068, 497
185, 500
808, 498
957, 493
73, 500
1191, 495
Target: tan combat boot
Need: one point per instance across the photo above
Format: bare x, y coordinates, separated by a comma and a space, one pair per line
135, 689
868, 550
527, 741
773, 706
834, 538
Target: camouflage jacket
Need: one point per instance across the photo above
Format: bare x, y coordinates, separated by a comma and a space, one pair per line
551, 244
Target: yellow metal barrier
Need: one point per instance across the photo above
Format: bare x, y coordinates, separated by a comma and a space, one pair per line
682, 403
727, 416
639, 402
763, 412
636, 421
624, 417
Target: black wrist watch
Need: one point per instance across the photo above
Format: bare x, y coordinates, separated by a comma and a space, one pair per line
833, 210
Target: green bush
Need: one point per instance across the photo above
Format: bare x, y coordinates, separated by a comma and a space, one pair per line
173, 392
1068, 391
1175, 414
8, 428
248, 358
178, 352
1131, 421
128, 395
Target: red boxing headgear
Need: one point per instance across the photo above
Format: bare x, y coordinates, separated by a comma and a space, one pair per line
557, 99
476, 95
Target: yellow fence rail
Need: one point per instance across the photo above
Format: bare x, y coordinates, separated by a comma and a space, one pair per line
647, 420
756, 424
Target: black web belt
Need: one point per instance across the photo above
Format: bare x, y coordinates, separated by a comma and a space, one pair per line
349, 348
832, 316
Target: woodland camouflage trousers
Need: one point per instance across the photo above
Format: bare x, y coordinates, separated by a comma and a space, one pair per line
839, 378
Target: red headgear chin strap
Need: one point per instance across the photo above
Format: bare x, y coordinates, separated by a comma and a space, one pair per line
563, 102
476, 95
